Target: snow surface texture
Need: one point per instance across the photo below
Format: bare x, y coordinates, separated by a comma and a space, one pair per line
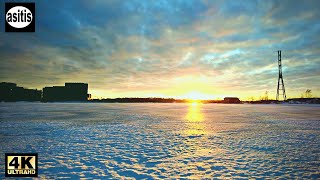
197, 141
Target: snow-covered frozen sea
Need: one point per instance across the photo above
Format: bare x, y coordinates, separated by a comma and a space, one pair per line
157, 141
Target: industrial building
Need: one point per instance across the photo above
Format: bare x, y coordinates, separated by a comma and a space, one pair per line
233, 100
69, 92
10, 92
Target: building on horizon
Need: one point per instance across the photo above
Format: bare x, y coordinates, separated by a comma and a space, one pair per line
233, 100
10, 92
69, 92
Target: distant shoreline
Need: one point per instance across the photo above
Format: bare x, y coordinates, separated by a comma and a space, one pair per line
171, 100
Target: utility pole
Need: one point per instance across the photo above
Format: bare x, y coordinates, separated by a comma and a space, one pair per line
280, 90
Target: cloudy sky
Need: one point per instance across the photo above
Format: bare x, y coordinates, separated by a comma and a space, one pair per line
167, 48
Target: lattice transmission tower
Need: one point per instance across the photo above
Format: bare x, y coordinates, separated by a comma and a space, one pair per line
280, 90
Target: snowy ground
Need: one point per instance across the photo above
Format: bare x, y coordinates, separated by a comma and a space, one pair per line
93, 140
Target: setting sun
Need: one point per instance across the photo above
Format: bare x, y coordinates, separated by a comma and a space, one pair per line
194, 95
194, 104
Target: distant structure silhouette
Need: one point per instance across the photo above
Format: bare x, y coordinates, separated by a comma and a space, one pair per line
69, 92
280, 80
10, 92
232, 100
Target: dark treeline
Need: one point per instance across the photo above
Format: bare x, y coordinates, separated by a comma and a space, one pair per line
225, 101
138, 100
290, 101
156, 100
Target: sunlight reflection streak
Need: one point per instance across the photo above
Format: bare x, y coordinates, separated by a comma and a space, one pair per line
195, 120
